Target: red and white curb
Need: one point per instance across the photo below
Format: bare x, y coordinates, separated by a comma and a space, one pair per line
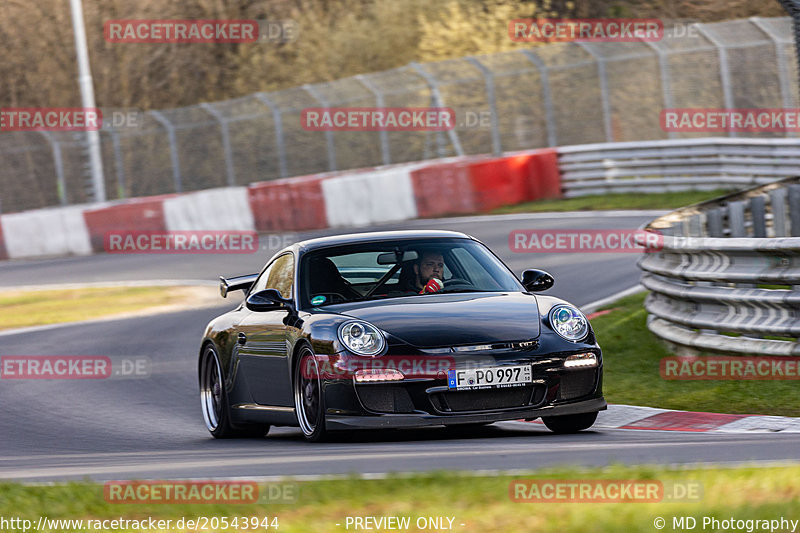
651, 418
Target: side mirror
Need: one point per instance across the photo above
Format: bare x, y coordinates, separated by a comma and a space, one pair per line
537, 280
267, 300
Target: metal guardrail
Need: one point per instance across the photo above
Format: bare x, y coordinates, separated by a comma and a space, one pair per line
679, 164
727, 278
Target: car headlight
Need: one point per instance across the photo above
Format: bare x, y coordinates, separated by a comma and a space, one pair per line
361, 338
569, 322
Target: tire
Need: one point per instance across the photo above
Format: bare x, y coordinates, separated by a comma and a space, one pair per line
569, 423
214, 401
309, 402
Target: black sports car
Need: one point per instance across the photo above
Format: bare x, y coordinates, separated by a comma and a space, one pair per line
395, 329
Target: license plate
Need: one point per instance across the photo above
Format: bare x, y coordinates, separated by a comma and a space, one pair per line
489, 377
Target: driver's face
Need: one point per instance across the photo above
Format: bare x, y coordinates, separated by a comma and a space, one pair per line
431, 266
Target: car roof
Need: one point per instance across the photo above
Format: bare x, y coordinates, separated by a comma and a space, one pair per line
377, 236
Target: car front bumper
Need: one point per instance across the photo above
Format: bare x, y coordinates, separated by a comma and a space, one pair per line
410, 420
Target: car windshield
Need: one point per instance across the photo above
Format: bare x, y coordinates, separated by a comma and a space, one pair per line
393, 269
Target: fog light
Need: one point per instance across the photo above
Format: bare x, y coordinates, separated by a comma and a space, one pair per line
581, 360
375, 374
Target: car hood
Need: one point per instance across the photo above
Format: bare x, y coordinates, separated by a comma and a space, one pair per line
438, 320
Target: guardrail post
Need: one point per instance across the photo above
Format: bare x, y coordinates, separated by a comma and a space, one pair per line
736, 219
173, 149
58, 163
383, 135
438, 102
277, 119
714, 222
794, 209
758, 211
226, 142
724, 71
695, 226
604, 97
549, 118
310, 89
777, 203
492, 99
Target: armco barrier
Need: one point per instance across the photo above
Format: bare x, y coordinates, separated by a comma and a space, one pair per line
294, 204
46, 232
139, 214
676, 165
713, 279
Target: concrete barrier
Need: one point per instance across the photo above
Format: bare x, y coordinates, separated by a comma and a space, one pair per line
356, 198
375, 197
429, 183
213, 209
3, 252
483, 183
544, 175
288, 204
46, 232
138, 214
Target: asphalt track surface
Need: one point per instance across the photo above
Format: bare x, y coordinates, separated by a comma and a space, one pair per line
151, 427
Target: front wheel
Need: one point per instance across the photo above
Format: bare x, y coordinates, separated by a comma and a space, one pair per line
214, 401
569, 423
309, 400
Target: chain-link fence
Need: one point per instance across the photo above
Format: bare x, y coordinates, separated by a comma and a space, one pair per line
558, 94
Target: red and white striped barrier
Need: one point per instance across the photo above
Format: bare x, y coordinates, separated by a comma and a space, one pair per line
355, 198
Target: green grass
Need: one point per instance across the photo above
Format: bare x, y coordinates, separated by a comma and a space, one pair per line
35, 308
631, 356
480, 503
666, 200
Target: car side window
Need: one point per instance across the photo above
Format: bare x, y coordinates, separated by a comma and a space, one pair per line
278, 275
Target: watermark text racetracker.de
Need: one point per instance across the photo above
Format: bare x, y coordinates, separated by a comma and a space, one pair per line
585, 30
199, 492
73, 367
181, 242
378, 119
584, 241
50, 119
199, 31
730, 368
720, 120
603, 491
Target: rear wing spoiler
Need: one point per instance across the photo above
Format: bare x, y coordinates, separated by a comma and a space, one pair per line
239, 283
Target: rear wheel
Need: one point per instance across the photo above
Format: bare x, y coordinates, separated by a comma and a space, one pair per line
214, 401
569, 423
309, 401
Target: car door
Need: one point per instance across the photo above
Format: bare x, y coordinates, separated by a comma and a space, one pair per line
263, 339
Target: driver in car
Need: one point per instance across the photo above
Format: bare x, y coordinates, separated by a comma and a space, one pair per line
428, 273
